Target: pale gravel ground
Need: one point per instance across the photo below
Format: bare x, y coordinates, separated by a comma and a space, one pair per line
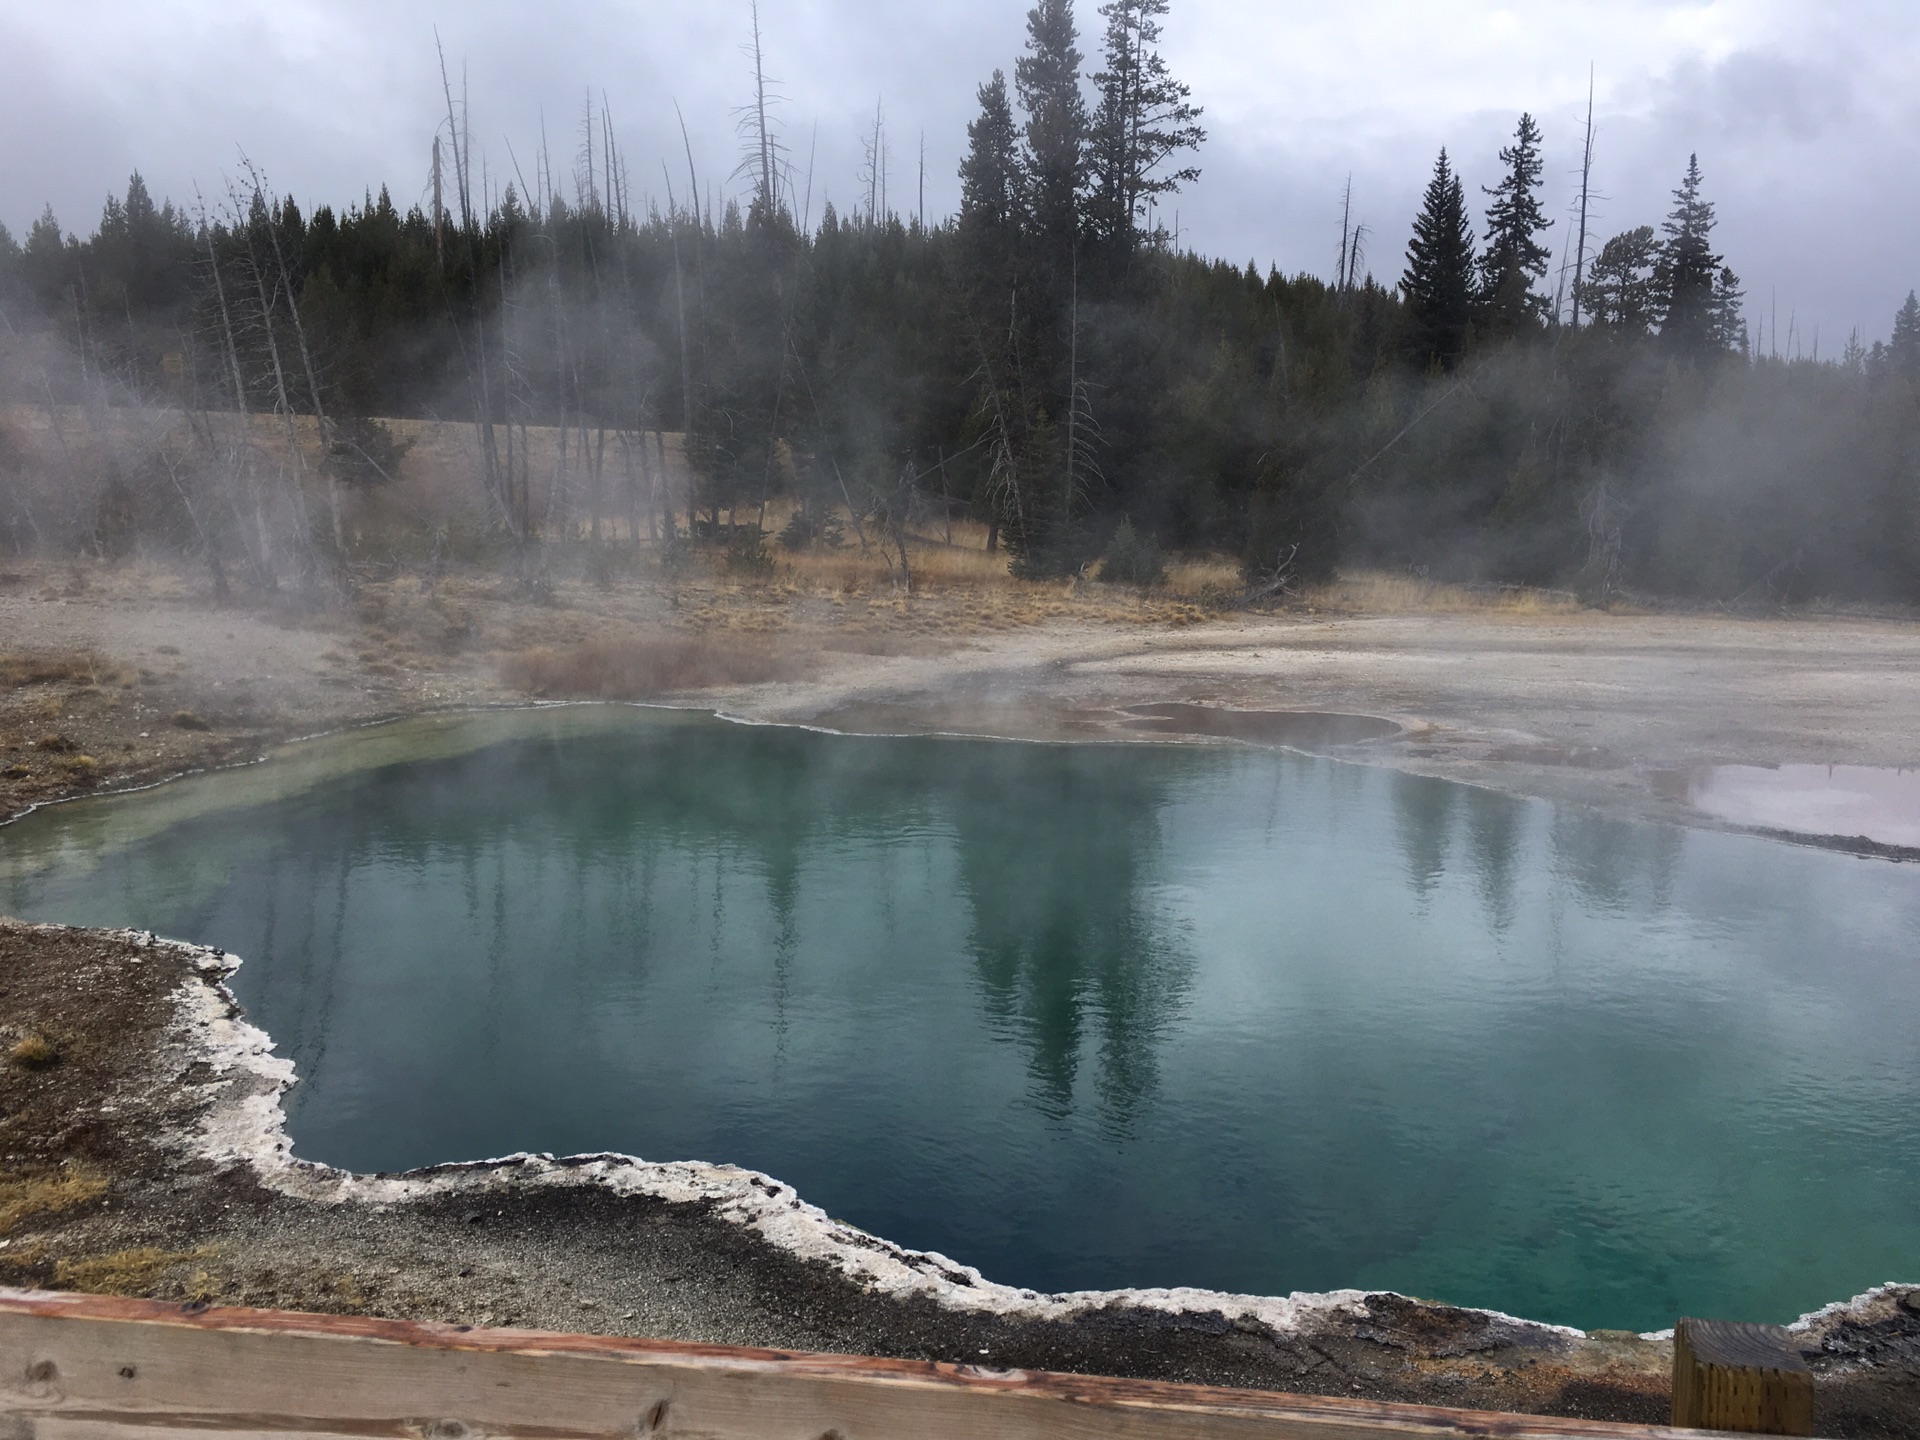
1607, 710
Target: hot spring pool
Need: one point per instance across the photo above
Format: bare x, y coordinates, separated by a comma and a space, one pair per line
1084, 1016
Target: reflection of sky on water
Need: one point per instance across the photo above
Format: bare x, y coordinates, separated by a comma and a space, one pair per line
1844, 800
1088, 1016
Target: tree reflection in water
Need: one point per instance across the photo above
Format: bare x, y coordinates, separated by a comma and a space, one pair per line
1056, 852
1424, 809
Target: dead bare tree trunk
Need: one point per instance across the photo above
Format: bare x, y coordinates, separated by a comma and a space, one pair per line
313, 378
1341, 272
768, 196
239, 449
1586, 179
295, 464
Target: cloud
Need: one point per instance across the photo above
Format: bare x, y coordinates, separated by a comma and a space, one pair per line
1804, 116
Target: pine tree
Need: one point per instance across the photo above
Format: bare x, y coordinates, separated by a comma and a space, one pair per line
47, 260
990, 173
1438, 284
1687, 277
1903, 349
141, 252
1515, 260
1617, 293
1729, 320
1055, 162
10, 283
1144, 118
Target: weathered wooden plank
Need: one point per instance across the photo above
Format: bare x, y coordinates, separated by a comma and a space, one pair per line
1750, 1378
94, 1368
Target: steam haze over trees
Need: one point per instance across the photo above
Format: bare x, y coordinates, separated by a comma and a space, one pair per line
1053, 359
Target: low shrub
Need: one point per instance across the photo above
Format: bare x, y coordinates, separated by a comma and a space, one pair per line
1132, 559
810, 528
747, 554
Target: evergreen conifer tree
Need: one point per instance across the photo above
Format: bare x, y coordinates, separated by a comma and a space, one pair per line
47, 260
1903, 348
12, 285
1438, 284
1729, 322
1687, 277
1048, 79
1144, 117
990, 174
1515, 260
1617, 292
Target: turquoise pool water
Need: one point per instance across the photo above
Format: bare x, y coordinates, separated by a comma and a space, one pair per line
1084, 1016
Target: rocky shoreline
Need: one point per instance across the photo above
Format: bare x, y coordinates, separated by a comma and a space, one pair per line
145, 1153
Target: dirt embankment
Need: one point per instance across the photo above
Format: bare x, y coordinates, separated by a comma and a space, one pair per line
143, 1155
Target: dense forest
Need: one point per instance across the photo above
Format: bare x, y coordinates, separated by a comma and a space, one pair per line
1049, 361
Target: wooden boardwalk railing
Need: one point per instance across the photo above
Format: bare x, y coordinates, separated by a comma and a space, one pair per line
76, 1367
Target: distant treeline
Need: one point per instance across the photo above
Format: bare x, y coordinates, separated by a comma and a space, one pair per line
1049, 361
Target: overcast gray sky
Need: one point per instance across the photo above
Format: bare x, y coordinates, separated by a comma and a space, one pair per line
1805, 113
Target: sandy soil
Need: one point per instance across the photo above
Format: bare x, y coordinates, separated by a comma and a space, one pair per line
104, 1186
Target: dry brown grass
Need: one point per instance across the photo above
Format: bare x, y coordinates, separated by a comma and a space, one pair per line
45, 1193
34, 1052
52, 667
644, 667
962, 564
1203, 575
1386, 593
124, 1272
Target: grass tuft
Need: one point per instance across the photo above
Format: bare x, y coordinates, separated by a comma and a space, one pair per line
125, 1272
35, 1052
46, 1193
50, 667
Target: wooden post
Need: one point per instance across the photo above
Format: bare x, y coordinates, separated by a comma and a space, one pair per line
1729, 1376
